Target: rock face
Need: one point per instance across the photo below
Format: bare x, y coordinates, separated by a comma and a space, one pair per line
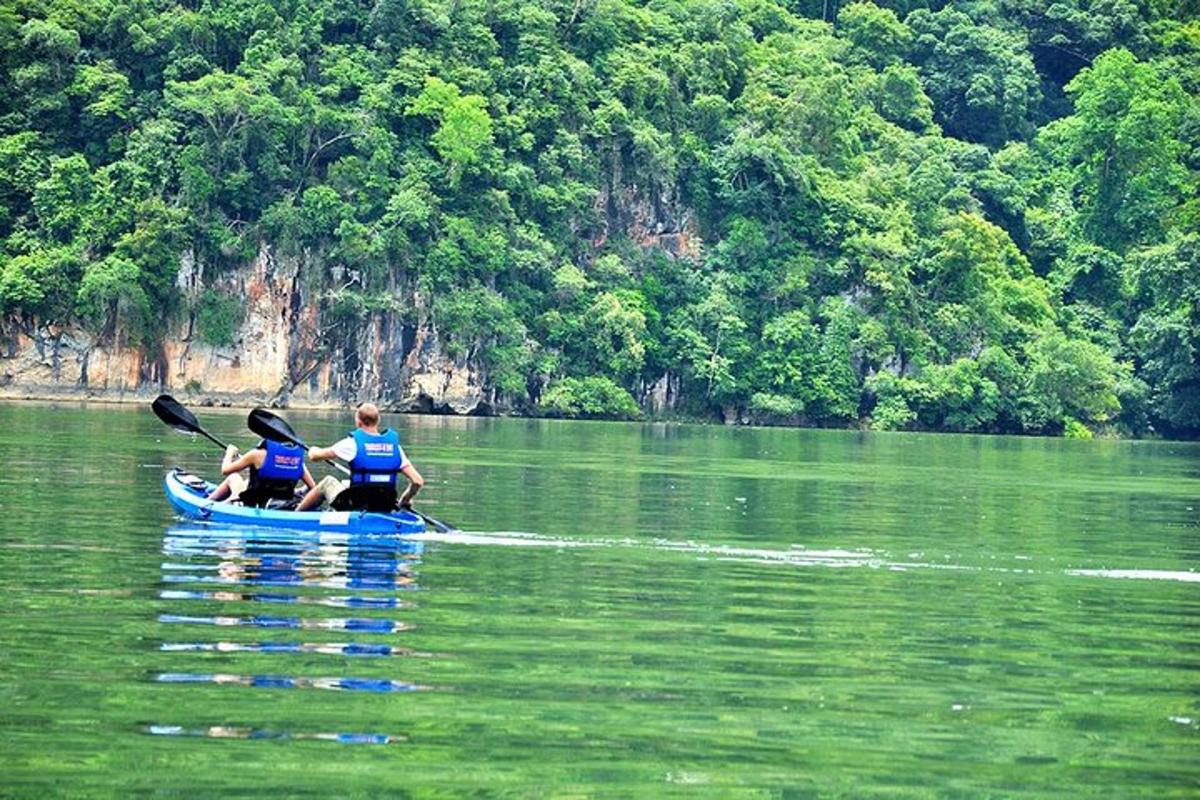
285, 352
291, 349
652, 217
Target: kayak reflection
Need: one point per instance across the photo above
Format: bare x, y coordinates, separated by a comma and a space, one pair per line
360, 625
239, 732
261, 557
354, 649
227, 577
331, 601
287, 682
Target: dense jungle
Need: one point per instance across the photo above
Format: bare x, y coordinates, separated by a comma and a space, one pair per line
971, 216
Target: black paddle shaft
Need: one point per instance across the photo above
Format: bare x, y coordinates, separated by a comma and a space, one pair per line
172, 412
269, 426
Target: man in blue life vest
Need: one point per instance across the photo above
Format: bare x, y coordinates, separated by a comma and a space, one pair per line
274, 470
376, 460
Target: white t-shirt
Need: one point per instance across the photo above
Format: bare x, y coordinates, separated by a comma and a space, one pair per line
346, 449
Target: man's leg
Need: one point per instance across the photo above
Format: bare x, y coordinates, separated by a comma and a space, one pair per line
328, 488
230, 488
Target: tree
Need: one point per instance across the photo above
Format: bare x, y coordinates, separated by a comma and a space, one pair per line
110, 294
710, 344
981, 78
61, 199
41, 282
588, 398
1166, 335
967, 216
877, 34
1124, 137
464, 127
1069, 380
984, 288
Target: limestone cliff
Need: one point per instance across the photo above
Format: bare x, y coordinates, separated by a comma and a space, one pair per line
281, 354
289, 349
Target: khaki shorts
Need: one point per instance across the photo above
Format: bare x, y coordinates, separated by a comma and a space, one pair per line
237, 484
331, 487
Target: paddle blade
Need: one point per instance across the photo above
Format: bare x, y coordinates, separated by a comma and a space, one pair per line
437, 525
269, 426
170, 411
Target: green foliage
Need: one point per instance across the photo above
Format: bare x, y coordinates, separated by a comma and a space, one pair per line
878, 36
60, 200
479, 323
1166, 335
218, 317
709, 341
1070, 378
110, 292
981, 77
464, 127
892, 414
41, 282
588, 398
1074, 429
974, 216
1125, 136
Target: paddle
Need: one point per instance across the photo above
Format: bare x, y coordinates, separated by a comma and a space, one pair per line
170, 411
265, 424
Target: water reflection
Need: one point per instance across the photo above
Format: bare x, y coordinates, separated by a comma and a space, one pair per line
331, 601
323, 648
379, 570
288, 682
271, 559
364, 625
235, 732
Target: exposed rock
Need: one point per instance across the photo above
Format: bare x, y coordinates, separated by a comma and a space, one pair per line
282, 354
663, 394
437, 382
653, 218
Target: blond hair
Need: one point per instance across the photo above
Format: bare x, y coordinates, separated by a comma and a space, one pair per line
367, 415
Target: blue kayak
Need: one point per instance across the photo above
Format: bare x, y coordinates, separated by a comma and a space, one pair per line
189, 496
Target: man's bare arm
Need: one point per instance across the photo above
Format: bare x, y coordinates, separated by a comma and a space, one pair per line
231, 466
321, 454
415, 482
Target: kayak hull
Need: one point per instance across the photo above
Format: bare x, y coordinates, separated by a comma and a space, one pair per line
193, 503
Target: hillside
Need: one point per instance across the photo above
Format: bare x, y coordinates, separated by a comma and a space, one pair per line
979, 216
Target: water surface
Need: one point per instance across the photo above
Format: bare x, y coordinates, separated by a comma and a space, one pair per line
635, 610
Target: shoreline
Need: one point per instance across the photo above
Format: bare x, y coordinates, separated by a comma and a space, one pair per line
244, 402
237, 401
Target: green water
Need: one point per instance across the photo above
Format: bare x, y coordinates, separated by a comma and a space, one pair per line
637, 611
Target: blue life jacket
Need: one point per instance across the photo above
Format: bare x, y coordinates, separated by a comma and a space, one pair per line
284, 462
377, 458
276, 478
